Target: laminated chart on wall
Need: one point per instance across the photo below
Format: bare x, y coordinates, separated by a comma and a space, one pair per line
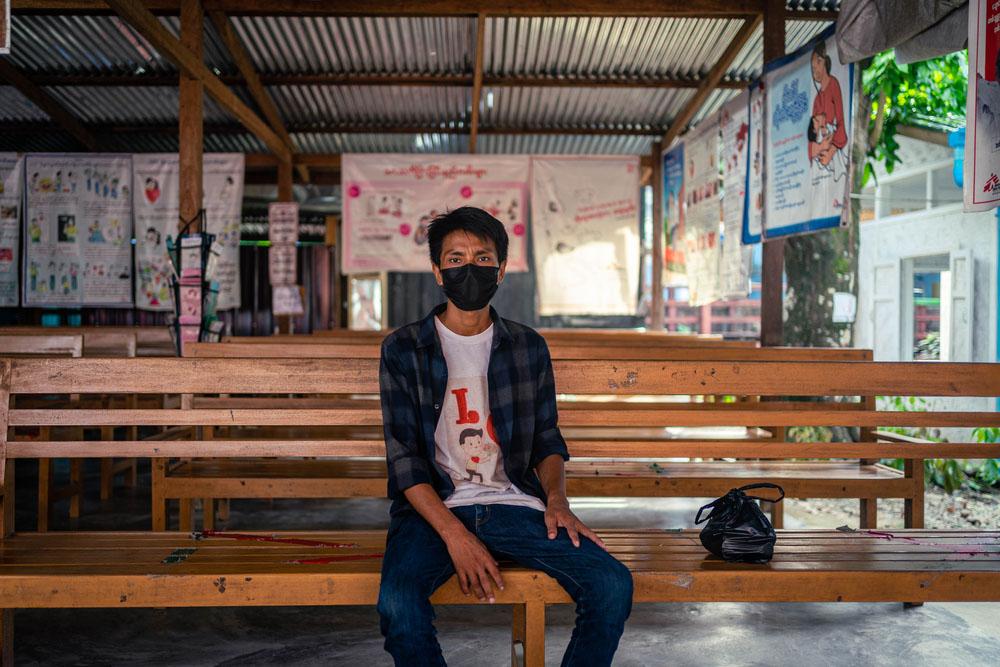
703, 212
981, 181
389, 200
78, 243
673, 216
734, 264
585, 215
10, 225
807, 152
157, 215
753, 211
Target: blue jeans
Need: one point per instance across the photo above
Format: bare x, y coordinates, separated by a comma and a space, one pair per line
417, 562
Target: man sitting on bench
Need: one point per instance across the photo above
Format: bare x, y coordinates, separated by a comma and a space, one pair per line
476, 459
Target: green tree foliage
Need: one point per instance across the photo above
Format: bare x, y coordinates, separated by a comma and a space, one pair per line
929, 94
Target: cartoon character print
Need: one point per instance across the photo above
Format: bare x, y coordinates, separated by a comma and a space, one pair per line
477, 456
479, 453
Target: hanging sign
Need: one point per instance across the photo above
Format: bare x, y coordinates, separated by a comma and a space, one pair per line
753, 209
78, 245
390, 199
981, 181
734, 264
586, 234
11, 172
673, 216
807, 143
703, 213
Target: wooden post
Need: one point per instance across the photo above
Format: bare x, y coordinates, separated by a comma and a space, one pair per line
528, 634
477, 82
771, 306
191, 126
656, 306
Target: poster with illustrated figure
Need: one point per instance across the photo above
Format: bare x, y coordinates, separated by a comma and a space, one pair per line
585, 212
807, 151
981, 182
734, 264
673, 216
10, 225
753, 213
703, 212
389, 199
157, 216
78, 221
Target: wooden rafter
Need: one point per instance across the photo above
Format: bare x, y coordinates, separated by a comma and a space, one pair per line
252, 81
47, 103
689, 8
360, 79
477, 81
135, 14
715, 75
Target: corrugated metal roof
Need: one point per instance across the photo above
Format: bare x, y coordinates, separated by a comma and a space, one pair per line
375, 106
129, 104
564, 143
638, 108
606, 47
414, 45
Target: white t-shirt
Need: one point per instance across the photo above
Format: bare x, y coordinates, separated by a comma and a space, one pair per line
466, 445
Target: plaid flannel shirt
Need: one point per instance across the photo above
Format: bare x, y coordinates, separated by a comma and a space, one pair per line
413, 378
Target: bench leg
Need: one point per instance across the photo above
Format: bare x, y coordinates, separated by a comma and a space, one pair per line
528, 635
223, 512
7, 637
777, 515
207, 514
76, 487
44, 484
159, 509
107, 479
913, 508
184, 522
869, 513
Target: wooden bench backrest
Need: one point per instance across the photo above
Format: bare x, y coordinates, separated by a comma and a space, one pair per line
98, 341
611, 337
605, 378
337, 350
59, 345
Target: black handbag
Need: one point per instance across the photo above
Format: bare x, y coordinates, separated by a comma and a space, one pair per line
737, 530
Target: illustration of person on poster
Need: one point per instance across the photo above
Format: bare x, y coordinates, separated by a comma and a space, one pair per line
826, 133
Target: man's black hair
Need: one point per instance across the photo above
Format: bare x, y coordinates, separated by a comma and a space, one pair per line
470, 219
468, 433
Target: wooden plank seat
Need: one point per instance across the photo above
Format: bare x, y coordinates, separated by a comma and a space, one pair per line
115, 569
150, 341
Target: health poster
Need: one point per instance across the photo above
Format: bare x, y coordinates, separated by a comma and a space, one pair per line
586, 234
807, 153
157, 218
981, 188
703, 212
78, 246
10, 225
673, 216
753, 214
389, 199
155, 204
734, 264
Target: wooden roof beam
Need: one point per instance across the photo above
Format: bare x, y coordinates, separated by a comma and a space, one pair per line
714, 76
684, 8
47, 103
477, 81
135, 14
360, 79
260, 95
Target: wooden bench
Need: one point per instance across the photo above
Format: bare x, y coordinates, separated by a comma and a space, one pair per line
149, 341
84, 570
186, 480
93, 343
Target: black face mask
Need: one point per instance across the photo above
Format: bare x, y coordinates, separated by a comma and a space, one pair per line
470, 286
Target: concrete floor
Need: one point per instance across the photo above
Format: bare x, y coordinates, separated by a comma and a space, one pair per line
657, 634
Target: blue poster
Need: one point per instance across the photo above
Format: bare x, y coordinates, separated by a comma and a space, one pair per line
807, 140
673, 215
